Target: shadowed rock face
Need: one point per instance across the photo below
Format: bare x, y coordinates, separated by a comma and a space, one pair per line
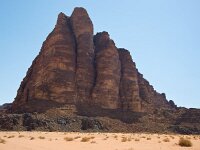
76, 67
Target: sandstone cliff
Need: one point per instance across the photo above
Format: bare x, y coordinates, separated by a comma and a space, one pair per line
76, 67
106, 89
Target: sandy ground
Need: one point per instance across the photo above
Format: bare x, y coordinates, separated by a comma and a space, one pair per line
93, 141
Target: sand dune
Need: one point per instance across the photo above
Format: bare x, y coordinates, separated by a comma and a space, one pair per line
93, 141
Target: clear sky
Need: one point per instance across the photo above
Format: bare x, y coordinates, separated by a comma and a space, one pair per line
163, 37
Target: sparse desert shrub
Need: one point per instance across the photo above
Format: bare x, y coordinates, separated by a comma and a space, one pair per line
115, 136
93, 142
137, 139
77, 137
2, 141
20, 136
32, 138
11, 136
124, 139
195, 137
85, 139
68, 139
166, 140
41, 137
92, 137
187, 137
185, 142
105, 139
148, 138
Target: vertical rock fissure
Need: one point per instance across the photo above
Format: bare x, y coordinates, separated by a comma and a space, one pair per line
75, 40
120, 83
129, 90
75, 67
83, 31
95, 71
106, 90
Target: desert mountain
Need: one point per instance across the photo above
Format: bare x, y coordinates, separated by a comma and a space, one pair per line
77, 67
80, 81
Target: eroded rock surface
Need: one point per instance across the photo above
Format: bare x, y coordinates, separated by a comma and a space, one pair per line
75, 67
106, 90
129, 88
83, 31
52, 74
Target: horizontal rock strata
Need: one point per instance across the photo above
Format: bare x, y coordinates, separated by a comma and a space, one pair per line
75, 67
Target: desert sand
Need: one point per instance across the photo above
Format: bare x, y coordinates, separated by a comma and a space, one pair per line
93, 141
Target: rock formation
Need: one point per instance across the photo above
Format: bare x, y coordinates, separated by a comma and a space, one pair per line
75, 67
129, 87
106, 89
83, 32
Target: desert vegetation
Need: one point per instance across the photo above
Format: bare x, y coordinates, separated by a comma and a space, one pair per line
166, 140
11, 136
77, 137
20, 136
184, 142
2, 141
85, 139
172, 137
32, 138
41, 137
93, 142
68, 139
137, 139
124, 139
115, 136
117, 141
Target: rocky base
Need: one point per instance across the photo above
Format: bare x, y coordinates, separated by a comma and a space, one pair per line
72, 119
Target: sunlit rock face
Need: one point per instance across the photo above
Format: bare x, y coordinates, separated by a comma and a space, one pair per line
83, 32
51, 76
129, 88
75, 67
106, 89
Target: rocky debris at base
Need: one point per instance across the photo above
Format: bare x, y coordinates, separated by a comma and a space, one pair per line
162, 121
40, 122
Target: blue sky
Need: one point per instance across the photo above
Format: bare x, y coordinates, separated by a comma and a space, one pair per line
163, 37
